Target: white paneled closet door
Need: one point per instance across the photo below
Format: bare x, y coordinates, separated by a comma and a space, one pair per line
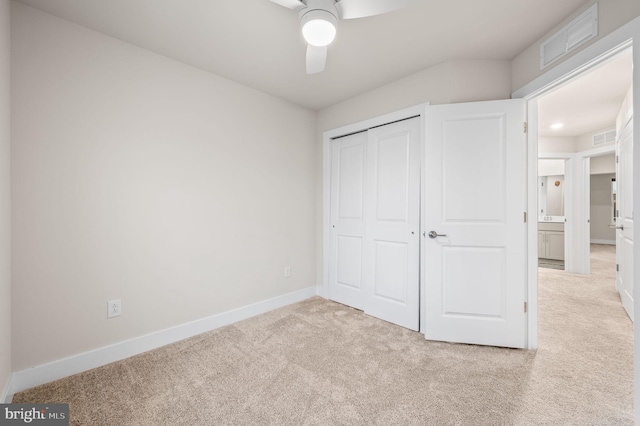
392, 243
375, 215
348, 175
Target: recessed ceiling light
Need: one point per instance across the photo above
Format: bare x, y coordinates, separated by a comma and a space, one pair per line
557, 126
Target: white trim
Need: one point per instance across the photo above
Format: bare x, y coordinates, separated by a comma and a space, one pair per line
596, 152
7, 395
532, 228
58, 369
556, 156
606, 242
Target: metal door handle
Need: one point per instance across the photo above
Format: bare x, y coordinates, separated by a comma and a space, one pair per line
621, 227
434, 234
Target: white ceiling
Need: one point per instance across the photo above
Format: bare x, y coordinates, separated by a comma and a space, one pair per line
258, 43
588, 104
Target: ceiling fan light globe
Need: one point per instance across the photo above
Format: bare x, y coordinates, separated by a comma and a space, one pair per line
319, 28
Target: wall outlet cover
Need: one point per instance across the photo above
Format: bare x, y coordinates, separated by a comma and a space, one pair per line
114, 308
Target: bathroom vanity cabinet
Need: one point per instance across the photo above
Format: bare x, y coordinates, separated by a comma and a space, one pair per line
551, 240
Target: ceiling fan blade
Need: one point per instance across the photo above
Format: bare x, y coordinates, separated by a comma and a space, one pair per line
290, 4
316, 59
351, 9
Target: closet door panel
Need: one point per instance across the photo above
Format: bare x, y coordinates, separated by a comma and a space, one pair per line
348, 177
391, 256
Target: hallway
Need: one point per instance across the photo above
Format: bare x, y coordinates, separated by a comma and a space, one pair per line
583, 371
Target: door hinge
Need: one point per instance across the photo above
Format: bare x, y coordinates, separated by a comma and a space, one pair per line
617, 158
525, 217
525, 307
617, 267
525, 126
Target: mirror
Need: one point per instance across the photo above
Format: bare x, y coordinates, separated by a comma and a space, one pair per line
551, 187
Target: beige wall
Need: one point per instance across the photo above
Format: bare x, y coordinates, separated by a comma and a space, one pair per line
449, 82
612, 14
5, 258
138, 177
603, 164
557, 145
570, 144
600, 214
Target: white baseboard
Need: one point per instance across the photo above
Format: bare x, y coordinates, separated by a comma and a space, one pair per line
6, 396
55, 370
607, 242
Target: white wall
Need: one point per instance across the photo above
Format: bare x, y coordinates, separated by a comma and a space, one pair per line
5, 209
141, 178
612, 14
603, 164
557, 144
548, 167
600, 214
555, 196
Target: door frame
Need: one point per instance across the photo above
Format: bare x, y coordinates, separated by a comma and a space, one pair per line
327, 137
585, 60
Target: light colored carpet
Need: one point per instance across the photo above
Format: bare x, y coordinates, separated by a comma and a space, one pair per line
321, 363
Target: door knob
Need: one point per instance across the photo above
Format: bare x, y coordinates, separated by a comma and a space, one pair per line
434, 234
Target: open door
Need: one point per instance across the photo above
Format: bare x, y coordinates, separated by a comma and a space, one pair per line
624, 213
475, 224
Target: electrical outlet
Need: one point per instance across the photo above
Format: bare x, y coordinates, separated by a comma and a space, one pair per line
287, 271
114, 308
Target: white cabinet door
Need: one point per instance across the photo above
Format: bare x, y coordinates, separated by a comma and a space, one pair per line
348, 176
555, 245
392, 243
475, 194
624, 220
542, 244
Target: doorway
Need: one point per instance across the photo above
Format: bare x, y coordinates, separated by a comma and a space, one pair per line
585, 119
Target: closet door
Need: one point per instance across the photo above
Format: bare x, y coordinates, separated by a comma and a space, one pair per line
348, 175
392, 234
375, 216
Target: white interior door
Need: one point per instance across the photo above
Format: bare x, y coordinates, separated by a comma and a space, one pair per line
348, 176
624, 219
375, 218
392, 243
475, 197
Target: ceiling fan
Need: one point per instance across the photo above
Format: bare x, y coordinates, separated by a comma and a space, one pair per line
319, 21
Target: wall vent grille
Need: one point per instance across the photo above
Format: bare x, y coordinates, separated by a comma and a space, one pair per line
577, 32
604, 138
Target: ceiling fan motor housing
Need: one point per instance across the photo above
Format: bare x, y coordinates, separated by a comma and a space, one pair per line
319, 13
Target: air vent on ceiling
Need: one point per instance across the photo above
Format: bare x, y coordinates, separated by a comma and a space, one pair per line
603, 138
577, 32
